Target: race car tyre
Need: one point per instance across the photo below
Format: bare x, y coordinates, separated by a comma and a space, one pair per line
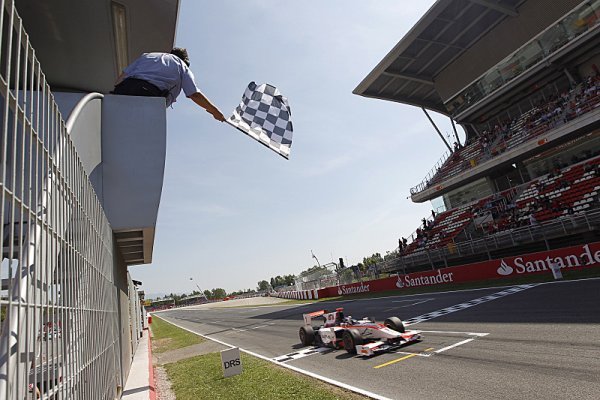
307, 335
351, 339
395, 324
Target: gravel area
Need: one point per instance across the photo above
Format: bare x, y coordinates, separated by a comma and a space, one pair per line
208, 346
163, 384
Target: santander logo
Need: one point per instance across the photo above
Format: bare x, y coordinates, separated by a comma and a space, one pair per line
362, 288
504, 269
399, 283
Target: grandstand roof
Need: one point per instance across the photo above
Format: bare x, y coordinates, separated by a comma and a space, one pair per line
84, 45
450, 27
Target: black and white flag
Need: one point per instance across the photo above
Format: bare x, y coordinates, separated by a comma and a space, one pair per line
265, 115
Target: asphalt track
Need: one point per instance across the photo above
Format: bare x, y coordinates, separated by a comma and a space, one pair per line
529, 343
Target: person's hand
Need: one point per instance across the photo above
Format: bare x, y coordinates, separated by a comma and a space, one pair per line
217, 114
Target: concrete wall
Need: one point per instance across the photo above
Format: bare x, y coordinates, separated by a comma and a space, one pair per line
86, 134
121, 141
134, 141
124, 331
508, 36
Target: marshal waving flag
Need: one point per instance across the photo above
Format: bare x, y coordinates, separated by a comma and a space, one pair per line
265, 115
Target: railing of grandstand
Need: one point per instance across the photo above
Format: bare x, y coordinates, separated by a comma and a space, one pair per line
555, 228
582, 99
59, 315
582, 19
434, 170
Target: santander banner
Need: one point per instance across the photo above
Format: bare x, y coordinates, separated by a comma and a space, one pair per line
568, 258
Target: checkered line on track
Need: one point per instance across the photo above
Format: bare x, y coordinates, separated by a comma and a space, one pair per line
466, 304
300, 354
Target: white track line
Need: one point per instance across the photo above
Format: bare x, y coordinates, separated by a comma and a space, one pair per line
416, 302
293, 368
454, 345
458, 333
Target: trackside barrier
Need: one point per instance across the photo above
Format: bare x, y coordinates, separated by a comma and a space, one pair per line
312, 294
566, 259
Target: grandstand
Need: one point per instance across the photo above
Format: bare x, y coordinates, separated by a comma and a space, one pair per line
522, 78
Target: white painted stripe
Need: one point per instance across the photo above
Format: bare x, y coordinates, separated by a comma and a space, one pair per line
458, 333
454, 345
293, 368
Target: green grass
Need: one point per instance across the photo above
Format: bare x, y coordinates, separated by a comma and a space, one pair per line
169, 337
201, 377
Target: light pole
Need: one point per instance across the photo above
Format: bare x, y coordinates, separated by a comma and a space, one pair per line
315, 257
200, 290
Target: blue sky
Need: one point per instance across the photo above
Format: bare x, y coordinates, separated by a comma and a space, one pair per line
233, 212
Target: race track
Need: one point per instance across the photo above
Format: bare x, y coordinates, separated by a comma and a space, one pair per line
525, 342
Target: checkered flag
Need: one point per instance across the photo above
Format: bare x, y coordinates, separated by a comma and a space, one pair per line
264, 115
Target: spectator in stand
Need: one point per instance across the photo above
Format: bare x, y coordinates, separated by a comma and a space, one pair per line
532, 220
557, 206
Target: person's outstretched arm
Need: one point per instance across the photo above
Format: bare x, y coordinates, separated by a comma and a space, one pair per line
210, 108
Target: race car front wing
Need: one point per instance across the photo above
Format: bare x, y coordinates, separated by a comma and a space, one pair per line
372, 348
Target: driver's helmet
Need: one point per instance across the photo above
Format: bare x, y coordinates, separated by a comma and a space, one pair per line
339, 315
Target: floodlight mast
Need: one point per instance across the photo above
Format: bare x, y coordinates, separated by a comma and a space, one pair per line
315, 257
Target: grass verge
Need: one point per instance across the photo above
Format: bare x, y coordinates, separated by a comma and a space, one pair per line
201, 377
166, 336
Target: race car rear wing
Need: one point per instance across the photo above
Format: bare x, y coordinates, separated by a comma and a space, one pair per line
328, 317
308, 317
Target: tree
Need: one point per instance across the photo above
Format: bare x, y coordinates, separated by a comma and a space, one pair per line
218, 293
372, 260
263, 285
314, 268
288, 280
208, 294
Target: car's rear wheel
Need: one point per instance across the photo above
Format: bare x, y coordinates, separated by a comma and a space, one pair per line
395, 324
351, 339
307, 335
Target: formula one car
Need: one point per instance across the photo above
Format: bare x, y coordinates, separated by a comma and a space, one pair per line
364, 337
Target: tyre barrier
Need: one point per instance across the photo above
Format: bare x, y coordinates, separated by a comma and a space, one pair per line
312, 294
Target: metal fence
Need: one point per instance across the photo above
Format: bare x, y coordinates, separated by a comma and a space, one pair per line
60, 317
484, 245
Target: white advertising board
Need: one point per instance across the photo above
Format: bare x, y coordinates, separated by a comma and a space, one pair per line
231, 362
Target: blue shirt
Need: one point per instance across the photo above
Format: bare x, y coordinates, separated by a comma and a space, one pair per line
165, 71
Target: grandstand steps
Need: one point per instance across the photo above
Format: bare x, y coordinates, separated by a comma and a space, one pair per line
533, 146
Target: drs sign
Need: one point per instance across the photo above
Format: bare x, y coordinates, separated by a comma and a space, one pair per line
231, 362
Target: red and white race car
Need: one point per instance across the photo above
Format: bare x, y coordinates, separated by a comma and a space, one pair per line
364, 337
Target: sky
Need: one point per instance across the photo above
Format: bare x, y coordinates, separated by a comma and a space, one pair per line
232, 211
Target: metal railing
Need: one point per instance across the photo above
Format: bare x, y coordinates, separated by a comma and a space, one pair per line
484, 245
60, 317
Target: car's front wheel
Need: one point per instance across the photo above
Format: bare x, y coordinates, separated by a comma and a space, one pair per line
395, 324
351, 339
307, 335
